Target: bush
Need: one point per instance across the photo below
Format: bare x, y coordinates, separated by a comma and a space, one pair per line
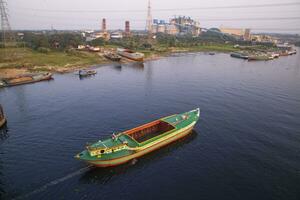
43, 50
74, 52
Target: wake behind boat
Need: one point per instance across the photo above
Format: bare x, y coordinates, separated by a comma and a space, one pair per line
136, 142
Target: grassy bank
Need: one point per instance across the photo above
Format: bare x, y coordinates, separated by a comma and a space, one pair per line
28, 60
34, 60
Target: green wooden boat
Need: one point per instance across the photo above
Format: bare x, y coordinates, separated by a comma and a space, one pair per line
2, 117
239, 55
136, 142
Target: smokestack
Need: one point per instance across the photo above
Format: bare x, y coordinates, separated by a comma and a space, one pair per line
103, 25
127, 28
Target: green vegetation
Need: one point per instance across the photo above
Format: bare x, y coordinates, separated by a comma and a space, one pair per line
28, 58
53, 51
58, 41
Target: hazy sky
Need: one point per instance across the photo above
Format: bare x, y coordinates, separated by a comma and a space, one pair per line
87, 14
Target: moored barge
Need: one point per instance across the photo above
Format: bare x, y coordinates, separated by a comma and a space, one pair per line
239, 55
25, 79
112, 56
129, 54
84, 73
136, 142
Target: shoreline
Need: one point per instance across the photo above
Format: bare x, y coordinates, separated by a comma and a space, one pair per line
8, 72
87, 60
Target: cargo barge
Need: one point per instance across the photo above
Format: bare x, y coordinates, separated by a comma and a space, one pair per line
25, 79
128, 145
135, 56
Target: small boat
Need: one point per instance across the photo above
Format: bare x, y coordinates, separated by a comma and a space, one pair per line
94, 49
2, 117
239, 55
211, 53
112, 56
136, 56
136, 142
2, 83
25, 79
292, 52
87, 72
275, 55
283, 53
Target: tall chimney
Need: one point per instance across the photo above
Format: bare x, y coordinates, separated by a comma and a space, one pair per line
127, 28
103, 25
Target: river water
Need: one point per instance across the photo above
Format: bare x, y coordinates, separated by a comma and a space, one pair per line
245, 146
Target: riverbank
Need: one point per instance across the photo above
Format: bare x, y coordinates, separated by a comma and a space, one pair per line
24, 60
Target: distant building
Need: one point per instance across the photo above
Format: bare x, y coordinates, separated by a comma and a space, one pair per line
20, 35
178, 25
186, 25
116, 35
127, 29
264, 38
161, 28
96, 35
104, 25
237, 32
104, 35
172, 29
89, 31
154, 27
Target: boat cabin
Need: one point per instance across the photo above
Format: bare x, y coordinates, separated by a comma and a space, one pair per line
97, 151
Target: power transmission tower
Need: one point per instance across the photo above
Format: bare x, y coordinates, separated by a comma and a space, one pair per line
7, 35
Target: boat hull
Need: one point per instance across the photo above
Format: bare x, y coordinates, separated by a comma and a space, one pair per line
127, 55
45, 78
115, 59
2, 122
238, 55
136, 142
259, 58
172, 138
131, 55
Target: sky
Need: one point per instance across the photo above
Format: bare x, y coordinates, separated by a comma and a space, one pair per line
87, 14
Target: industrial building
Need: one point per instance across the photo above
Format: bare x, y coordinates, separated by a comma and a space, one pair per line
178, 25
127, 32
237, 32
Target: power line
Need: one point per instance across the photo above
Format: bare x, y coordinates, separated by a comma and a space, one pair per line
252, 19
96, 19
168, 9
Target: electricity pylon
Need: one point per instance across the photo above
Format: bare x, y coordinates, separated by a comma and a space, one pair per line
7, 36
